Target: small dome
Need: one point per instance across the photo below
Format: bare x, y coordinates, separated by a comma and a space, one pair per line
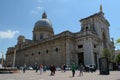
43, 23
21, 37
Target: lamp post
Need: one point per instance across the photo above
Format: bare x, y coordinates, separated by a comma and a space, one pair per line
14, 57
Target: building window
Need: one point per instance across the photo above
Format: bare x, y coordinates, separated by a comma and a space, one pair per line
38, 53
80, 46
56, 49
41, 36
46, 51
94, 46
32, 54
86, 28
26, 55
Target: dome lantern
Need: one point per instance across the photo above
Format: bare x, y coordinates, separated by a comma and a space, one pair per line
44, 15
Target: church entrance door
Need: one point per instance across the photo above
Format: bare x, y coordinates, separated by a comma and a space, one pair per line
80, 58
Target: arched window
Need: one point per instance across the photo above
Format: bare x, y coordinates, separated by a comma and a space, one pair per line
46, 51
56, 49
86, 27
41, 36
32, 54
38, 53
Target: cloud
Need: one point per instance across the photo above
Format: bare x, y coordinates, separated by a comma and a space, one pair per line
36, 10
40, 1
8, 34
33, 12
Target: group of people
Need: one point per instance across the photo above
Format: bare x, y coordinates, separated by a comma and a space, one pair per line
52, 68
44, 68
63, 68
80, 67
41, 68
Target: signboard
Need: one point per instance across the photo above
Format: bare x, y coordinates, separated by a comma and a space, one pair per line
104, 66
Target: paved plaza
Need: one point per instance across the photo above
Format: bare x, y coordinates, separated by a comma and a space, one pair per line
32, 75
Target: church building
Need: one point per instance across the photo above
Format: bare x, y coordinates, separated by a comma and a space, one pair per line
48, 48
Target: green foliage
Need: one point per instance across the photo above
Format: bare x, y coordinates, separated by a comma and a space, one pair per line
108, 54
118, 58
118, 40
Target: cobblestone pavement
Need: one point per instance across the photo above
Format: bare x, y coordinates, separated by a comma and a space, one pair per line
32, 75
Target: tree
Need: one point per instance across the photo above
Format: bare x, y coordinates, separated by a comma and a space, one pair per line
108, 54
118, 40
118, 58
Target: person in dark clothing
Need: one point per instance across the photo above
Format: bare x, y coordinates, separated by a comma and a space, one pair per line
24, 68
64, 67
36, 68
52, 69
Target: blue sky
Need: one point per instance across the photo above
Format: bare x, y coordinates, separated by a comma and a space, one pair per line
17, 17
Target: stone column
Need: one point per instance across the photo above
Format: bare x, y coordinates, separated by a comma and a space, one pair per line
88, 52
14, 58
67, 51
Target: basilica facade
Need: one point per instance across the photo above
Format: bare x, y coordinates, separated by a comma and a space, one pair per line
66, 47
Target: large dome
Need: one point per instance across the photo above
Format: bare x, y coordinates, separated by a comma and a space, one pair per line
44, 23
43, 29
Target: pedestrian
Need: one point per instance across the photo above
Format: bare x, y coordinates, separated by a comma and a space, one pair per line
37, 68
64, 67
24, 68
44, 68
54, 69
41, 68
51, 69
73, 69
81, 69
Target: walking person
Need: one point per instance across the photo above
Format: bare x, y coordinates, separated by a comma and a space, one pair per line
41, 69
64, 67
73, 69
51, 69
36, 68
54, 69
44, 68
24, 68
81, 69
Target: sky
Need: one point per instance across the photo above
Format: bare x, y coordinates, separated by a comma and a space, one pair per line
17, 17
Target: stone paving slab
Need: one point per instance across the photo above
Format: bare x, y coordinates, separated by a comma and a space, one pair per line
32, 75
